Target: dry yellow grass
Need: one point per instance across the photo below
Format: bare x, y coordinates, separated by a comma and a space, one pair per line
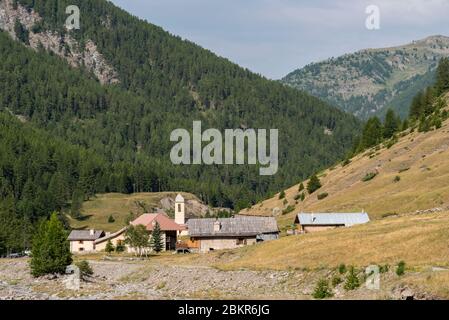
419, 240
98, 209
421, 160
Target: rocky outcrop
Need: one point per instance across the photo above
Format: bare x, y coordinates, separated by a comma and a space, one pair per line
404, 292
64, 46
194, 208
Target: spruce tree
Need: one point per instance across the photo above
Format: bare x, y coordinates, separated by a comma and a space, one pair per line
372, 133
50, 248
313, 184
77, 202
391, 124
442, 82
156, 238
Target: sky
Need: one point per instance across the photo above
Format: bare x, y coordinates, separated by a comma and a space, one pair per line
275, 37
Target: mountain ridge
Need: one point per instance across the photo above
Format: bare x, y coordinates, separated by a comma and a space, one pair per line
369, 81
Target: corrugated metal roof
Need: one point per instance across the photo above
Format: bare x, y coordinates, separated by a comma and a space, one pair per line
237, 226
346, 219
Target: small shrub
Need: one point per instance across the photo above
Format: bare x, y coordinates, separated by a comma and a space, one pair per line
384, 268
322, 290
109, 247
389, 214
119, 247
397, 179
303, 196
297, 197
342, 268
85, 269
336, 280
345, 162
301, 187
369, 176
161, 285
352, 280
321, 196
285, 202
282, 194
400, 270
288, 209
403, 170
111, 219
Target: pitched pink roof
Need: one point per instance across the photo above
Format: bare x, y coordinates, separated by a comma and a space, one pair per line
165, 222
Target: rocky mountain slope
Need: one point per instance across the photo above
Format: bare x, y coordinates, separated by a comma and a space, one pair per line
63, 45
370, 81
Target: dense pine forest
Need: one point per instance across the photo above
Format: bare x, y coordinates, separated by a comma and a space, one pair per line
115, 138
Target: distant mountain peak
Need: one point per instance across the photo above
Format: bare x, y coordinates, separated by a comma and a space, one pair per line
369, 81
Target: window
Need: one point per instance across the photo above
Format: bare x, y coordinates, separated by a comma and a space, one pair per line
81, 249
179, 207
240, 241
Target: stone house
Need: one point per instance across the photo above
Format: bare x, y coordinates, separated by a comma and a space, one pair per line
227, 233
314, 222
84, 240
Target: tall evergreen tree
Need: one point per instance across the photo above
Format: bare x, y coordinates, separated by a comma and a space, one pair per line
416, 108
50, 248
442, 81
391, 125
372, 133
77, 202
156, 238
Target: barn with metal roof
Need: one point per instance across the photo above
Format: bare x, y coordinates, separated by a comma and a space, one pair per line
311, 222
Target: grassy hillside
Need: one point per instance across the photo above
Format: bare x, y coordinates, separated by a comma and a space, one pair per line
369, 81
419, 240
412, 175
97, 210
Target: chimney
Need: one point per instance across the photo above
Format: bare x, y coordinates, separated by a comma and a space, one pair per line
92, 232
217, 226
